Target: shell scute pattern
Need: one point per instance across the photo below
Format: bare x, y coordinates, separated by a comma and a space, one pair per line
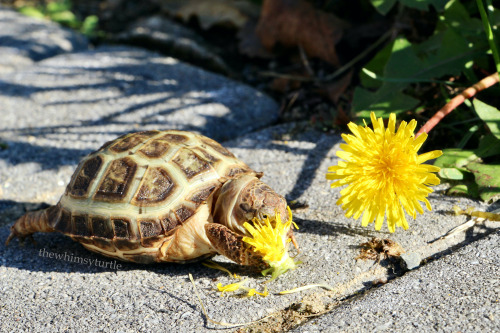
105, 245
64, 224
183, 213
140, 188
101, 228
202, 194
128, 142
190, 163
115, 184
86, 175
216, 146
204, 154
155, 149
80, 226
150, 228
160, 146
156, 186
122, 228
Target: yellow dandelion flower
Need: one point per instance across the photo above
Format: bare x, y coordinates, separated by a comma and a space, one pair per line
383, 173
271, 242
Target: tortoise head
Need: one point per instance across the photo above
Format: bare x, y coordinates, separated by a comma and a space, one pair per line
243, 198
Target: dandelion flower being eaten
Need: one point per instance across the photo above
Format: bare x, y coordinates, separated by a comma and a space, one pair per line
383, 172
272, 243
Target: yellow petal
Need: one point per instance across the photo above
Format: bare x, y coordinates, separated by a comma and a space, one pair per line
429, 156
230, 287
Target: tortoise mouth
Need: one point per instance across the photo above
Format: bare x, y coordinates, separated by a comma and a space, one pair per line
272, 217
262, 218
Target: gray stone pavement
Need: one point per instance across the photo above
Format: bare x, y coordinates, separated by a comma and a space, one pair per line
457, 293
24, 40
56, 110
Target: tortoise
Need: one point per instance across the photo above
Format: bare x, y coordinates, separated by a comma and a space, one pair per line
160, 196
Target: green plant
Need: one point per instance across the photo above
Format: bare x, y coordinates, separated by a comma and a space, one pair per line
60, 11
457, 54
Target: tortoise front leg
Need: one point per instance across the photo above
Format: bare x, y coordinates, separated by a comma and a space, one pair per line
231, 245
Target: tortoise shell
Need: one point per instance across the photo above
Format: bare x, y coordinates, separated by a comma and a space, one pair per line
126, 198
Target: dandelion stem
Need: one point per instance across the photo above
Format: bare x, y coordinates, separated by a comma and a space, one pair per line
309, 286
481, 85
456, 101
217, 322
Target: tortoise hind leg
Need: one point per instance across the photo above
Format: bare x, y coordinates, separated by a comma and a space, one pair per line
31, 222
230, 244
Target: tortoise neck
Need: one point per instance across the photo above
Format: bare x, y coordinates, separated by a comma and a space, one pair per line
224, 205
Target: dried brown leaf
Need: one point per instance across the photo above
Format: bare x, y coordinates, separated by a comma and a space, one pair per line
377, 248
336, 89
298, 23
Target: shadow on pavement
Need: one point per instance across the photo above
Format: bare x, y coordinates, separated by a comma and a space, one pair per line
146, 84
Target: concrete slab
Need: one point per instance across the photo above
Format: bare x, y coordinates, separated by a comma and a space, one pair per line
457, 293
57, 111
162, 34
134, 298
24, 40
